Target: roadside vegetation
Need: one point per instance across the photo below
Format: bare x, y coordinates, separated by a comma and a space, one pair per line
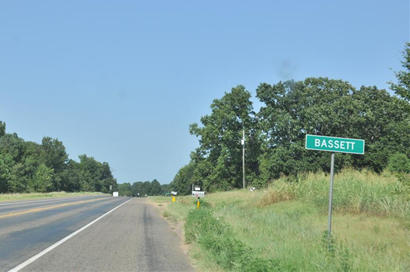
275, 134
283, 227
143, 188
29, 196
27, 167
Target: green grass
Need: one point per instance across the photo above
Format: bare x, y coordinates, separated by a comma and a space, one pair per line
28, 196
353, 192
284, 227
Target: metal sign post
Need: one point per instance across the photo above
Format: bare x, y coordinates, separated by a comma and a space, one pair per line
332, 166
333, 144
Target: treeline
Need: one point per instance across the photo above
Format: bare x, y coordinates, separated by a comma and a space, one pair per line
275, 135
31, 167
143, 188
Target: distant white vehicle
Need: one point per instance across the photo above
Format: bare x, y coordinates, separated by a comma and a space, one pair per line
115, 194
174, 193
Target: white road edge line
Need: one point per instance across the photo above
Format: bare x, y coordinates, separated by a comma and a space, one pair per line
45, 251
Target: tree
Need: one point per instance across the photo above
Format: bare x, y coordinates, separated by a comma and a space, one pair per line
14, 173
71, 177
28, 166
90, 174
6, 166
165, 189
184, 179
155, 188
402, 88
293, 109
218, 159
55, 157
399, 163
323, 106
137, 189
42, 180
2, 129
124, 189
384, 122
107, 178
146, 188
13, 145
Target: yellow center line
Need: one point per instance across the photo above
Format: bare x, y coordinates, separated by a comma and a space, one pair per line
34, 210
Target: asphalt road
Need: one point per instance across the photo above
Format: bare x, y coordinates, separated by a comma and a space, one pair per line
132, 237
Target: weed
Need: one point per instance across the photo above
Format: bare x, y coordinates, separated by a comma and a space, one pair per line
354, 192
338, 253
203, 203
216, 237
280, 228
275, 196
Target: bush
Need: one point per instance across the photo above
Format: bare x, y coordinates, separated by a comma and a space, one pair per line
399, 163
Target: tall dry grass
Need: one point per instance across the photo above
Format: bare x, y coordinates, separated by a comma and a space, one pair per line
353, 191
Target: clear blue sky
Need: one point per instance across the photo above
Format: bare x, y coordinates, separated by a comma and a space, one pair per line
122, 80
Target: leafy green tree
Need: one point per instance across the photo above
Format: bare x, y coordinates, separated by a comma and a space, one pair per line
183, 180
399, 163
155, 188
54, 154
218, 159
55, 157
384, 122
89, 173
28, 166
2, 129
28, 170
71, 177
402, 88
146, 188
6, 166
165, 189
18, 180
13, 145
293, 109
42, 179
124, 189
107, 178
137, 189
323, 106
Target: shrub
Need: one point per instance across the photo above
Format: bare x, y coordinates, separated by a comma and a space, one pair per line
399, 163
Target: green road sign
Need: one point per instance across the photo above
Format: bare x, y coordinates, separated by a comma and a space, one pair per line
334, 144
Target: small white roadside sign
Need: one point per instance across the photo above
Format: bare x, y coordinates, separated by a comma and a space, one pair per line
198, 194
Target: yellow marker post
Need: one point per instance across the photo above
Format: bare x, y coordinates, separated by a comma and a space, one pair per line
197, 204
173, 198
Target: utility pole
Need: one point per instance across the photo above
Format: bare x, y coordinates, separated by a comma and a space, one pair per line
243, 158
